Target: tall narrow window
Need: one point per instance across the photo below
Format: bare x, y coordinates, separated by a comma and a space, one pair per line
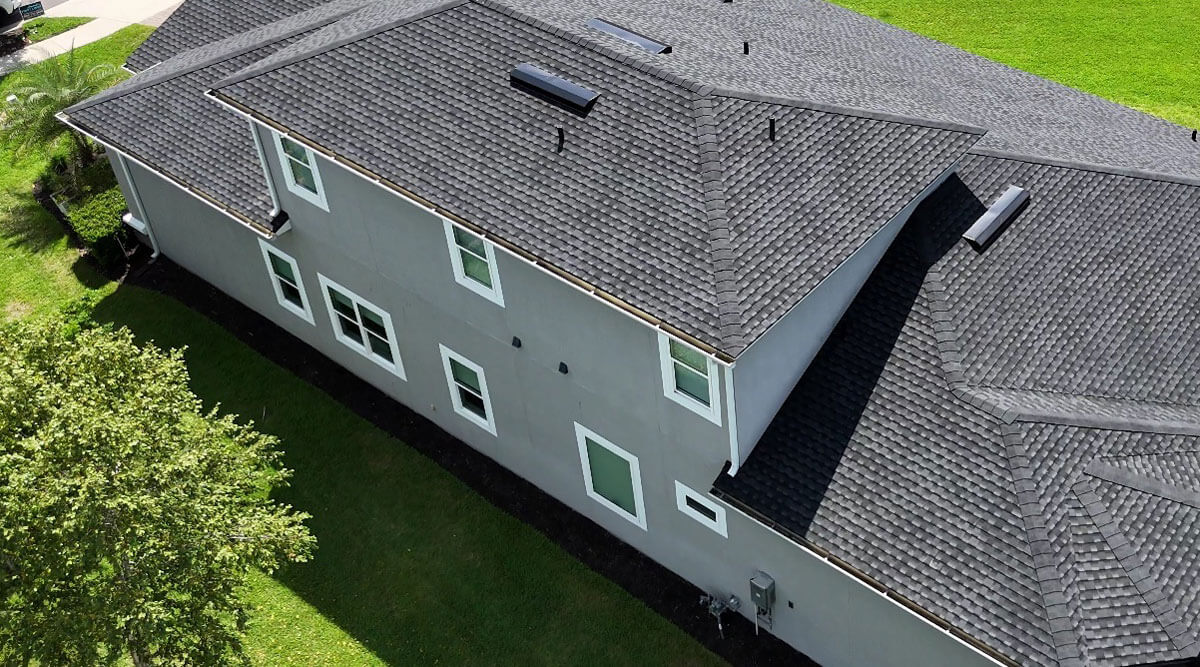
468, 389
690, 378
300, 171
611, 476
362, 326
474, 262
285, 278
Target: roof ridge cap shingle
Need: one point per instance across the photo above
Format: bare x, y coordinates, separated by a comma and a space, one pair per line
1080, 165
1100, 468
872, 114
253, 71
1186, 424
156, 74
720, 232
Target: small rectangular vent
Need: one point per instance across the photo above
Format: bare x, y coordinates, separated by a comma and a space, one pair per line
553, 89
630, 36
997, 217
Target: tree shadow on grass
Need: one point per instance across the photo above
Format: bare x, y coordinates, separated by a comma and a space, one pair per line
411, 562
26, 226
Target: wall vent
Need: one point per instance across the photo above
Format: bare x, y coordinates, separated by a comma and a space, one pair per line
554, 89
653, 46
997, 217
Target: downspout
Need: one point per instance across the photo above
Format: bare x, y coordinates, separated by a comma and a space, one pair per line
262, 158
137, 201
735, 454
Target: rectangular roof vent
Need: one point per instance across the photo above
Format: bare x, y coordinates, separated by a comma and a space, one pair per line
630, 36
553, 89
997, 217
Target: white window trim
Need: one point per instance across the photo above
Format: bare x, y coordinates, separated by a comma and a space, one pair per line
488, 424
494, 294
397, 366
682, 493
712, 411
635, 471
316, 199
305, 312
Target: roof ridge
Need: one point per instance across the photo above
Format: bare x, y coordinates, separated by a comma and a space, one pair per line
1080, 165
872, 114
1100, 468
720, 233
251, 72
1135, 569
1186, 423
155, 74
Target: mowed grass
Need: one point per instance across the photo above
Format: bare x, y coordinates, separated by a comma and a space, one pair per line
1141, 53
39, 270
45, 27
412, 566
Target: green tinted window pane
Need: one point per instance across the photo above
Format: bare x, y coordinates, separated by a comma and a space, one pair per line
350, 329
303, 176
476, 269
380, 347
282, 268
472, 402
342, 303
372, 321
464, 375
691, 383
294, 150
689, 356
470, 242
291, 294
612, 477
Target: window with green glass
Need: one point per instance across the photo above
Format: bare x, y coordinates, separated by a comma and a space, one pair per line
300, 163
285, 278
473, 254
612, 477
468, 389
286, 275
470, 392
361, 325
474, 262
691, 371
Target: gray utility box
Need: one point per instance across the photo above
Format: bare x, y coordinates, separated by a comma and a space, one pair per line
762, 591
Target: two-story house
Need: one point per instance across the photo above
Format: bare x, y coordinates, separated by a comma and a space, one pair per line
697, 269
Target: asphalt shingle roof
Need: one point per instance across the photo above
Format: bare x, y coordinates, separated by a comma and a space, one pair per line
1009, 438
668, 194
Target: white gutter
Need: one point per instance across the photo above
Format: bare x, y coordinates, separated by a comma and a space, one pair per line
63, 118
262, 158
143, 225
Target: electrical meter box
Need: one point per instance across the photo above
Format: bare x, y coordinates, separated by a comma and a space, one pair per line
762, 591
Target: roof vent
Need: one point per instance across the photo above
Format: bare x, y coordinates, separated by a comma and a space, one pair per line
556, 90
630, 36
997, 217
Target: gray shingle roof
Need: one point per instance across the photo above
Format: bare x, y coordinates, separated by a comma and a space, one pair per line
203, 22
668, 195
162, 117
1009, 438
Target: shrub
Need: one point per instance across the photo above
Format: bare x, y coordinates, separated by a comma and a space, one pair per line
97, 221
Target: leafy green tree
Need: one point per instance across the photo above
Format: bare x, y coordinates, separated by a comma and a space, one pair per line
27, 119
130, 517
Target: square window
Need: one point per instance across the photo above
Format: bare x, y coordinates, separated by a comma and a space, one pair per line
611, 475
468, 389
362, 326
286, 281
473, 260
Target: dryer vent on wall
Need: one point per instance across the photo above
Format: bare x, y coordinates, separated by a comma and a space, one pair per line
997, 217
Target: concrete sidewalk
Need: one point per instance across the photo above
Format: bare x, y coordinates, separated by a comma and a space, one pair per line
109, 17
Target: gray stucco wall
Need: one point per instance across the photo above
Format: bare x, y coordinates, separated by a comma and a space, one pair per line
394, 254
769, 369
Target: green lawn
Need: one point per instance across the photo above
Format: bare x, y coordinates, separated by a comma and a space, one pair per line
412, 566
1141, 53
45, 27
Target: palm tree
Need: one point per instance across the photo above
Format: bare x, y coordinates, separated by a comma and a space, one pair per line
28, 118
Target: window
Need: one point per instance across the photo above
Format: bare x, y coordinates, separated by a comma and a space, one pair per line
285, 278
362, 326
468, 389
700, 508
611, 476
300, 171
690, 378
474, 262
